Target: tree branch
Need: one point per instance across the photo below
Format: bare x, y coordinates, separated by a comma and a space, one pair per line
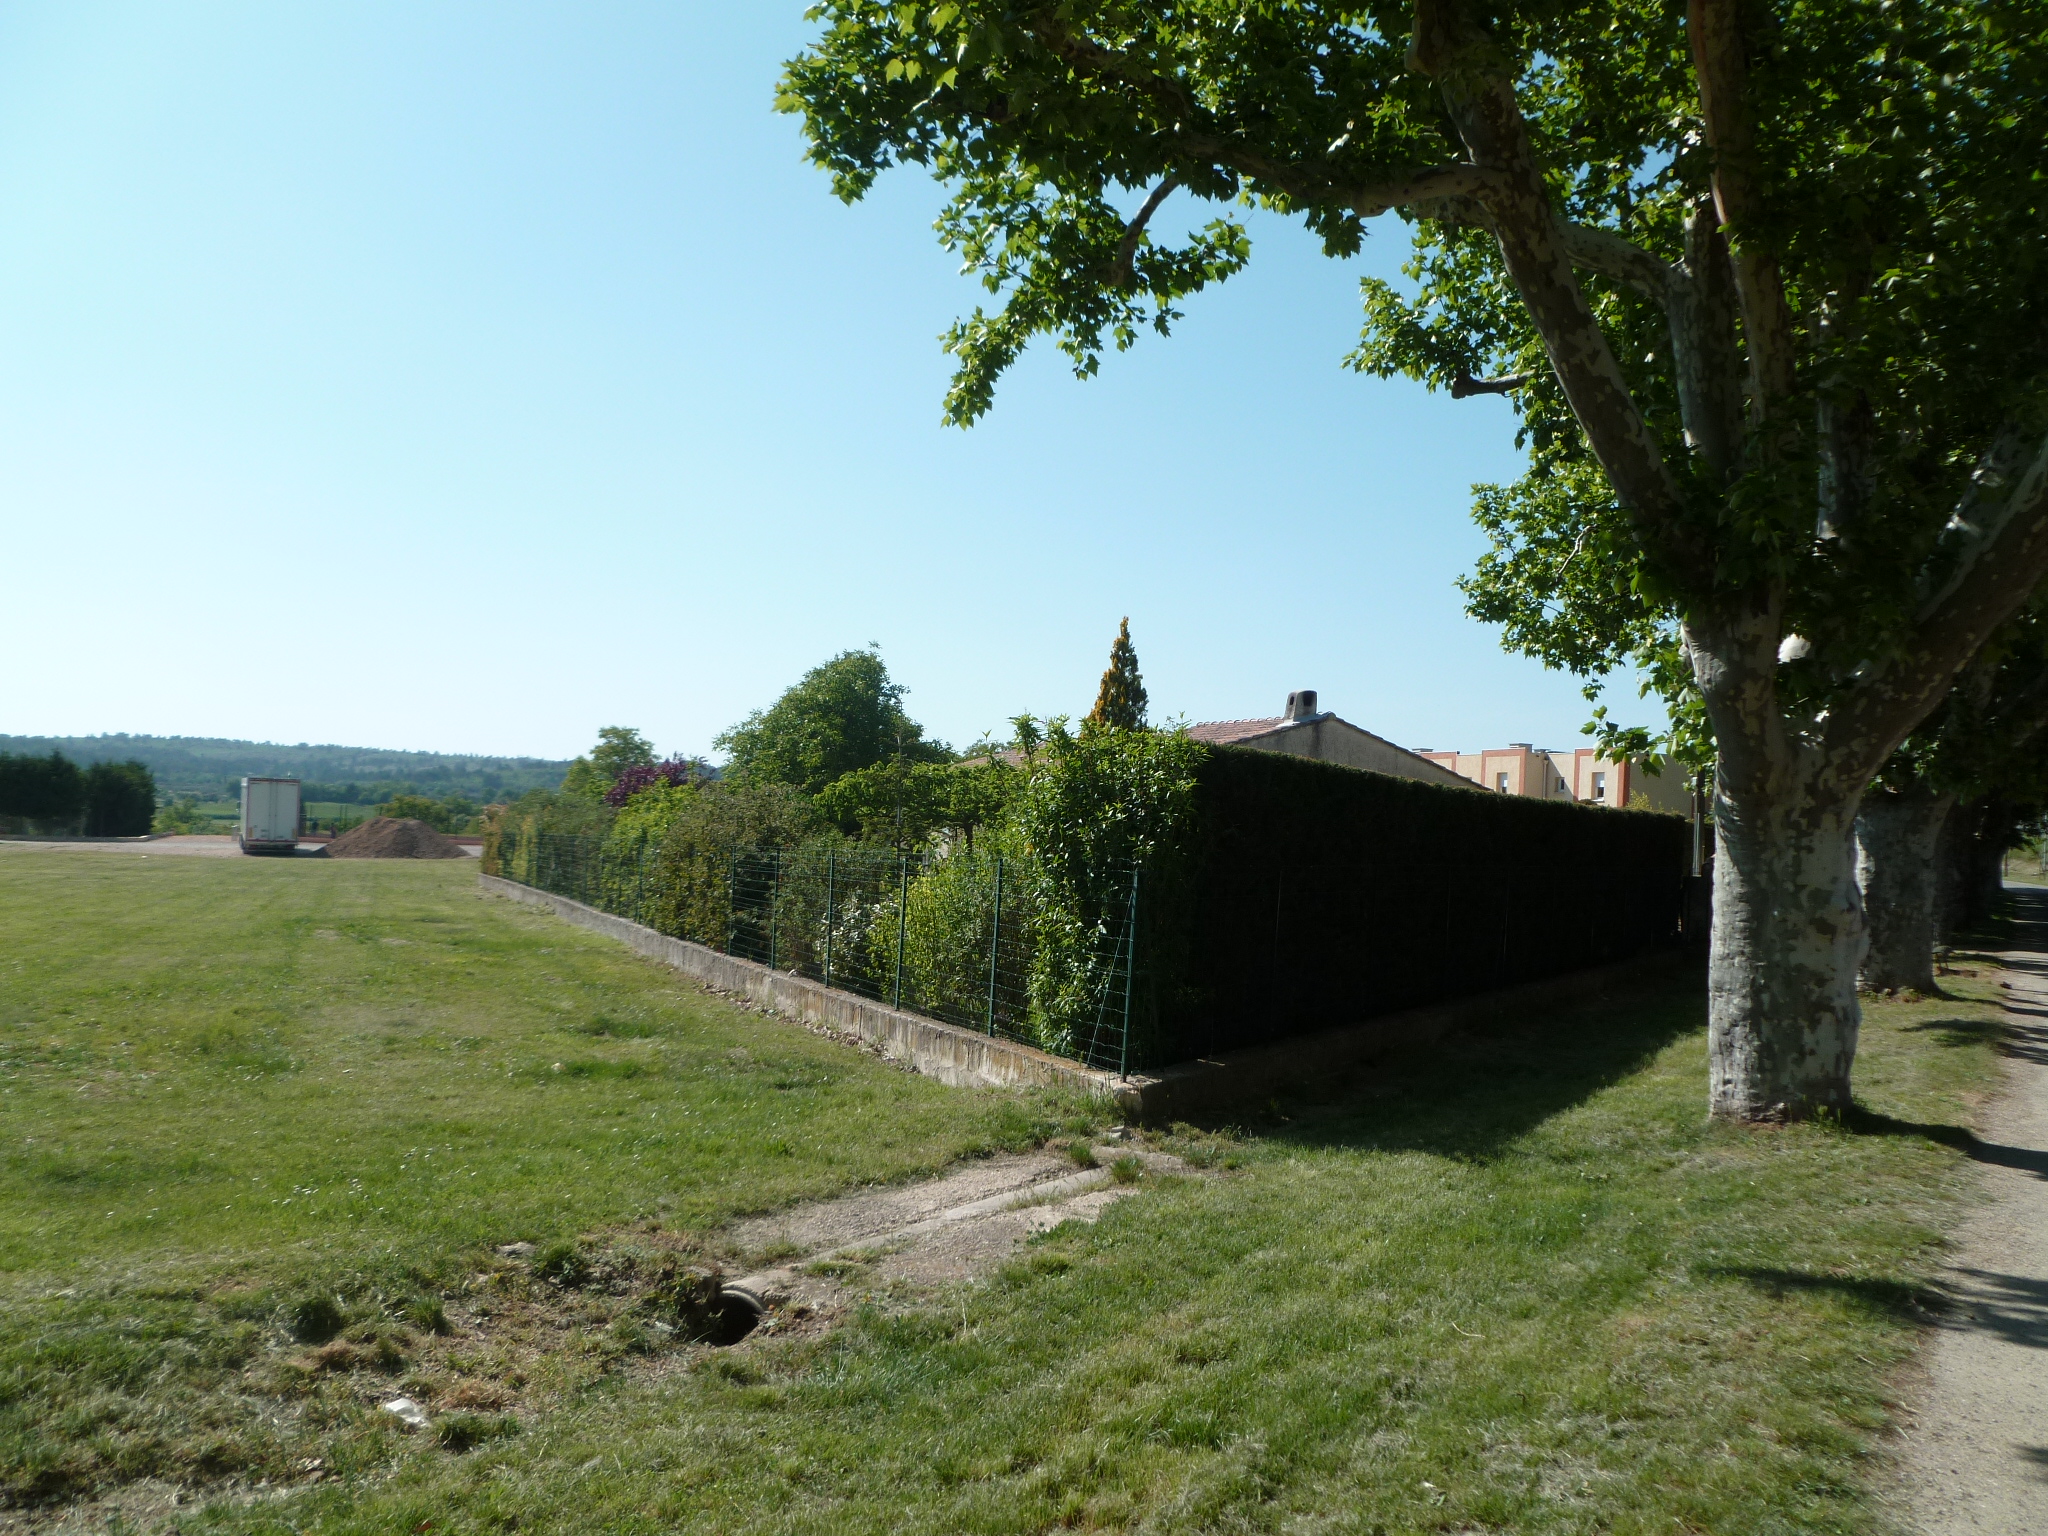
2004, 519
1709, 364
1721, 66
1442, 181
1194, 134
1477, 87
1127, 248
1464, 385
1609, 254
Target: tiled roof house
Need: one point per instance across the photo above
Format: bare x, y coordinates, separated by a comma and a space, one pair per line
1305, 731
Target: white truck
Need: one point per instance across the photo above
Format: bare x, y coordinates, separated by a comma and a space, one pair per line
271, 816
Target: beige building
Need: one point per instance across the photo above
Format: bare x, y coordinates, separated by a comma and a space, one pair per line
1585, 776
1304, 731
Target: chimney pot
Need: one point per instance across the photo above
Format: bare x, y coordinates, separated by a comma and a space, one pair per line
1301, 704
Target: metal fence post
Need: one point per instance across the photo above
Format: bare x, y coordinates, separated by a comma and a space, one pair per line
774, 906
995, 937
732, 901
902, 919
640, 886
1123, 1065
831, 870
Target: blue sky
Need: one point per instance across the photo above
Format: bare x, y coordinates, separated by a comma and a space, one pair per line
467, 377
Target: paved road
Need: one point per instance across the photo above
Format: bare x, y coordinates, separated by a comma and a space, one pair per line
1975, 1454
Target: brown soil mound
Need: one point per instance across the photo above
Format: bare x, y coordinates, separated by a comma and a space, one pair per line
383, 838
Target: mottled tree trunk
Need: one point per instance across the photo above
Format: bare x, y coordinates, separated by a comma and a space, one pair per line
1969, 866
1782, 1015
1986, 881
1951, 866
1896, 836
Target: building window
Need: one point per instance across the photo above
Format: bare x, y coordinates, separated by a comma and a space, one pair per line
1501, 782
1600, 786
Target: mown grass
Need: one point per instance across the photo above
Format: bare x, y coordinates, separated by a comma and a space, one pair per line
1517, 1285
227, 1086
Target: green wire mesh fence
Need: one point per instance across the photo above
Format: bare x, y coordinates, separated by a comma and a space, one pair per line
966, 937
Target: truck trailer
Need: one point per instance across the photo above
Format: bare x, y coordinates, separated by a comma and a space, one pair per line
271, 816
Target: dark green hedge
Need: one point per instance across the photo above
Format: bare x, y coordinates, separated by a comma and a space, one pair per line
1311, 896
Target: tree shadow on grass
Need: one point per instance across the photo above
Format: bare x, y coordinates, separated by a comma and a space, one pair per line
2013, 1308
1891, 1298
1870, 1122
2016, 1041
1473, 1091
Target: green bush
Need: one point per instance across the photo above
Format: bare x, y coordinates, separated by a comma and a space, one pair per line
1101, 808
120, 799
690, 872
182, 816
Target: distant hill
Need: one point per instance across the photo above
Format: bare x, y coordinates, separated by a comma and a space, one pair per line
206, 766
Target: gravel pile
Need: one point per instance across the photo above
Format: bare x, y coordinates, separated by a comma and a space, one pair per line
385, 838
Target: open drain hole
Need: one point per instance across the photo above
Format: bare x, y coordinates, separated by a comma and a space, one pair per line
736, 1315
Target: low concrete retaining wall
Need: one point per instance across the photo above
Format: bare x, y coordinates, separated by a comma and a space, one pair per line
969, 1060
952, 1055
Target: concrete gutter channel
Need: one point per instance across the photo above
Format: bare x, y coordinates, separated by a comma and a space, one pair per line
964, 1059
898, 1241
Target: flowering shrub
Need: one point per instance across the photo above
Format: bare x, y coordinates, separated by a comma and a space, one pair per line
676, 771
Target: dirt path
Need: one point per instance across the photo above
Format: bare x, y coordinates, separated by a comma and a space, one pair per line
918, 1236
1974, 1457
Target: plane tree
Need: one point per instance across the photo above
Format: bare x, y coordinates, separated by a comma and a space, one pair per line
1763, 279
1981, 744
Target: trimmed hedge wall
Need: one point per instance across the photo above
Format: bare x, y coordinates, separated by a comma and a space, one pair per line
1309, 896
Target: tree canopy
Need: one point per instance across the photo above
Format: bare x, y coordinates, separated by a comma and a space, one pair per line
844, 715
618, 748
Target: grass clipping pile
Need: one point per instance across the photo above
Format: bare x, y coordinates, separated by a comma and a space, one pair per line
383, 837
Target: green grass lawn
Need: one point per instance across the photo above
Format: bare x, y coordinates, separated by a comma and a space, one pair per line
227, 1085
1517, 1285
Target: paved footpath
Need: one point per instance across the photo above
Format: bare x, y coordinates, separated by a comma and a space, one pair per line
1974, 1456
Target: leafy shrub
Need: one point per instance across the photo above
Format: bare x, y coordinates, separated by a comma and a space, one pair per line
909, 805
1099, 806
181, 817
690, 873
947, 924
631, 781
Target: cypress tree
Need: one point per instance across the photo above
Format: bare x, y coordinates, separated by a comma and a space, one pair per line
1120, 702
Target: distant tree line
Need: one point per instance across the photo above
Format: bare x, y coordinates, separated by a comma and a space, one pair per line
53, 794
212, 769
